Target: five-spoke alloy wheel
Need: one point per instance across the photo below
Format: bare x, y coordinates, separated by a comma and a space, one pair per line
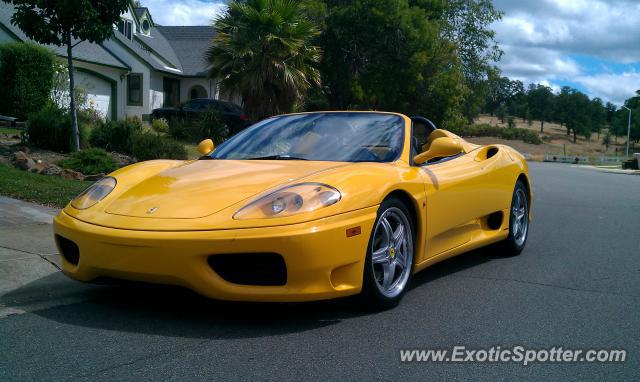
518, 221
389, 262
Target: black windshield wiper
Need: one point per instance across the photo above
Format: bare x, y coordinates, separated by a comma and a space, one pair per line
277, 157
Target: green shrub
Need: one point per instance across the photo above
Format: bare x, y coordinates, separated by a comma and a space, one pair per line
26, 78
50, 128
524, 135
208, 125
115, 135
147, 146
180, 129
90, 161
128, 137
89, 117
160, 126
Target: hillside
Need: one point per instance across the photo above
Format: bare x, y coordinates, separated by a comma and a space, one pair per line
555, 140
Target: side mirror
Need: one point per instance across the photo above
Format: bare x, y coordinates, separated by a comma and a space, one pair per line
439, 148
206, 147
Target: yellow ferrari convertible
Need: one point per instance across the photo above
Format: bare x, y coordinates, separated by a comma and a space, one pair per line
301, 207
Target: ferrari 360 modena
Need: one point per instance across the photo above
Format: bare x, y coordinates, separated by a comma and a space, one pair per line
301, 207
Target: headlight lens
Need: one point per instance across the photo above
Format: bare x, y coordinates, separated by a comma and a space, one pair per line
291, 200
95, 193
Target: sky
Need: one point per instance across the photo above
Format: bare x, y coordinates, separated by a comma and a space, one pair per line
591, 45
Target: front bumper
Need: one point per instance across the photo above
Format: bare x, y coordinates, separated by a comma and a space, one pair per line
321, 261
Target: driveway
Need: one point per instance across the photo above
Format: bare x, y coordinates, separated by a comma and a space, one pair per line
576, 285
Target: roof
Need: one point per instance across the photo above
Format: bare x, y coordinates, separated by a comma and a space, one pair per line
84, 51
142, 46
181, 48
189, 44
140, 11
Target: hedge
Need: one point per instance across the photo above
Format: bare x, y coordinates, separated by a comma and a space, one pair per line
50, 128
26, 78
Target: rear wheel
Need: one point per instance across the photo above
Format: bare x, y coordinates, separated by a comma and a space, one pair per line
518, 222
389, 261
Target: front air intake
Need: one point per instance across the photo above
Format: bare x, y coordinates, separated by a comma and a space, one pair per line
68, 249
262, 269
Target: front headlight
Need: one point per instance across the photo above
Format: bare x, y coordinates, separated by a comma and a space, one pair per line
290, 200
95, 193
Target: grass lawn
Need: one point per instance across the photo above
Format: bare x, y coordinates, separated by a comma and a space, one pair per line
10, 131
43, 189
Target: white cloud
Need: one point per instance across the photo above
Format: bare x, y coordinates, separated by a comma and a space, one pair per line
184, 12
613, 87
540, 37
537, 64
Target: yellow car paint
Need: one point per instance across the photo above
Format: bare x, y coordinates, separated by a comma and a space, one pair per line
164, 218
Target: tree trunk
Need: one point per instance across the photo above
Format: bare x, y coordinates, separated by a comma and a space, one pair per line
72, 97
541, 126
575, 138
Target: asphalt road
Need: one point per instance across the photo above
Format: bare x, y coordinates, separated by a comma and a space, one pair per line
576, 285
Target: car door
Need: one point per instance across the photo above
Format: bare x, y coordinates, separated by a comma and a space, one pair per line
454, 189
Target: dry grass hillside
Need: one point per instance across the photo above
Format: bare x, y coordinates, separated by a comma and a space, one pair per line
555, 140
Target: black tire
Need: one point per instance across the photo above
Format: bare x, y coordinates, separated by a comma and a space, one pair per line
515, 242
372, 296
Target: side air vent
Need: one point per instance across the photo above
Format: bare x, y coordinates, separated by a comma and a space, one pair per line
494, 220
486, 153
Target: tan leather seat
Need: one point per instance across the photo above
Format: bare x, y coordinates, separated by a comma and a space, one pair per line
437, 133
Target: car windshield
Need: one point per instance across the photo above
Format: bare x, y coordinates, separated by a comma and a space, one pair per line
341, 137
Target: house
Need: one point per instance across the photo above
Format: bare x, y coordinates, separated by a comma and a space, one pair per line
143, 66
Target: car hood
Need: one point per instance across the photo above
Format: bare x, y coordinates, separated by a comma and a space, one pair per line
204, 187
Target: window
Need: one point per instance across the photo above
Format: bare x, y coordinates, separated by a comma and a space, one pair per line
328, 136
124, 27
146, 26
134, 89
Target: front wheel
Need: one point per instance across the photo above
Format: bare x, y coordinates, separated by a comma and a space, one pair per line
518, 222
389, 261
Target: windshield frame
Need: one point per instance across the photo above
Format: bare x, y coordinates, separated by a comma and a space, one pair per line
402, 149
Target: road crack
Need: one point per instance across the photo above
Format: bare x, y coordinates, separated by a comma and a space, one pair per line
40, 255
144, 358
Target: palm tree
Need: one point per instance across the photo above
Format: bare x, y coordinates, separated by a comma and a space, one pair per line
263, 49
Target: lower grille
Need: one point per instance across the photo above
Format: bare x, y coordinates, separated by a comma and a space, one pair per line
263, 269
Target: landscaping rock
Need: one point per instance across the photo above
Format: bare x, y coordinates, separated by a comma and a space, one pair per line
39, 167
23, 161
52, 169
70, 174
121, 159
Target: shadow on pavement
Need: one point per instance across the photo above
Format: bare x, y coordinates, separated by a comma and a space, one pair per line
454, 265
177, 312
